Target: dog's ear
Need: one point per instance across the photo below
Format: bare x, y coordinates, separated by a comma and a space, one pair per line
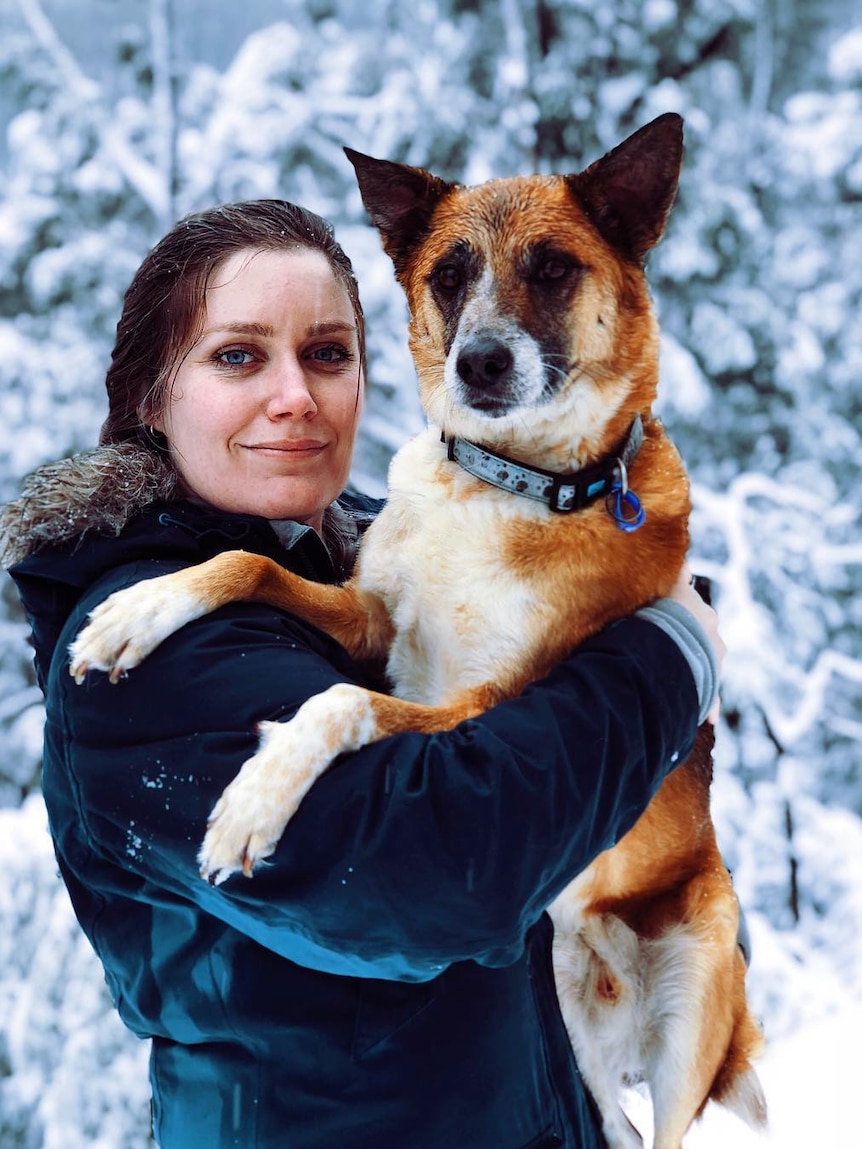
629, 192
400, 200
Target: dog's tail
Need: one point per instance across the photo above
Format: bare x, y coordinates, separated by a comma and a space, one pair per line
737, 1086
744, 1096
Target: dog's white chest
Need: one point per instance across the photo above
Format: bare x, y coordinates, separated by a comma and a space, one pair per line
435, 559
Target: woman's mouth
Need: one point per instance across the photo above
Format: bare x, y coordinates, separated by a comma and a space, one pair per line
294, 448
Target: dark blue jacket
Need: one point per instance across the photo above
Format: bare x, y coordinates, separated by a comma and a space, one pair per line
386, 980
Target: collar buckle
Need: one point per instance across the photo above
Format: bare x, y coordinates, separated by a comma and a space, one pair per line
563, 496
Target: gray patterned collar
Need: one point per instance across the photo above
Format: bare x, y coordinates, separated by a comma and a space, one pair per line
563, 493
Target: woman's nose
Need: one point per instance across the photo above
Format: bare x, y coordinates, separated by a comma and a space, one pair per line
289, 396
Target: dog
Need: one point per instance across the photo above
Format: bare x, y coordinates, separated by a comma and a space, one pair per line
544, 476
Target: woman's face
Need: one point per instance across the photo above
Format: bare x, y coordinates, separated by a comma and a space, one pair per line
263, 409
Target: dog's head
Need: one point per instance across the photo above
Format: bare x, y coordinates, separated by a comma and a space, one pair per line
531, 322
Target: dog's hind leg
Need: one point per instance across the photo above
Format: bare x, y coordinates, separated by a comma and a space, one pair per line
689, 1022
596, 968
254, 809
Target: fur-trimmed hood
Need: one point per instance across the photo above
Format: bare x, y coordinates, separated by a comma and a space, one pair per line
98, 490
80, 519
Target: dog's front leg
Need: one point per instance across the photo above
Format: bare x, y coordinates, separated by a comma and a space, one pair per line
131, 623
250, 817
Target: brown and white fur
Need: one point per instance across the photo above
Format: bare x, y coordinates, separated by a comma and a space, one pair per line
533, 334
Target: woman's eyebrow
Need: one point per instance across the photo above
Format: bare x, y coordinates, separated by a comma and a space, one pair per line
241, 327
331, 328
266, 330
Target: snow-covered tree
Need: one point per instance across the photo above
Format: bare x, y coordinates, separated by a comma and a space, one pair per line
758, 285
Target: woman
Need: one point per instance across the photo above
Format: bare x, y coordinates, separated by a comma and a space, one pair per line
385, 980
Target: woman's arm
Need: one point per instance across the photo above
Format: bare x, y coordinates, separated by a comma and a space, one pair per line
407, 855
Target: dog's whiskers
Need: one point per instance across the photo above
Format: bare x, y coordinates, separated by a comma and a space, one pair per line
563, 372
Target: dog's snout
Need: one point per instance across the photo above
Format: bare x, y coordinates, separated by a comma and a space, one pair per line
484, 362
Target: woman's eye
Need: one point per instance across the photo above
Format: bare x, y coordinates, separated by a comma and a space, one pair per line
334, 354
234, 357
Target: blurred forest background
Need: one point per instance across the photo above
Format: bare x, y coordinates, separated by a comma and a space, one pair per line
119, 116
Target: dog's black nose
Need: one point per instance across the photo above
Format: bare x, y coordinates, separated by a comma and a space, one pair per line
484, 361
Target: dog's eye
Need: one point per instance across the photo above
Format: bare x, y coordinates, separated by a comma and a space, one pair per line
448, 277
554, 268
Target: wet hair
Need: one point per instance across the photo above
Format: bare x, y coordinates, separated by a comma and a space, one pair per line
164, 306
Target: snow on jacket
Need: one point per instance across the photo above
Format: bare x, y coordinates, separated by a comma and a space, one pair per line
385, 980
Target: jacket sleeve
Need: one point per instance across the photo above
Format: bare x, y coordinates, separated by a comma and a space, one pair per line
405, 856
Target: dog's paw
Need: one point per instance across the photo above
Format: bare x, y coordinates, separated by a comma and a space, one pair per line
129, 625
249, 818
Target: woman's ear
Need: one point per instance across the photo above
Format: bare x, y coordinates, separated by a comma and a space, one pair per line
151, 418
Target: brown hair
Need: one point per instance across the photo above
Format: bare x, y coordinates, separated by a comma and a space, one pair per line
164, 304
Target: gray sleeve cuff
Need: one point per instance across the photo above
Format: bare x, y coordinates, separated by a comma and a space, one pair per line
681, 625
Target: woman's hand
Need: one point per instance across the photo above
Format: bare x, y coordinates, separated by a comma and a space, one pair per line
685, 594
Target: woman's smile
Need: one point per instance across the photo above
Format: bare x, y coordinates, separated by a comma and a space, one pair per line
293, 448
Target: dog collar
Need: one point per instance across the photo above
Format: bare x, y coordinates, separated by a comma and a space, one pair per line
562, 493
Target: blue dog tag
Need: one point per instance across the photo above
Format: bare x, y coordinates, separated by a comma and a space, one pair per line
625, 508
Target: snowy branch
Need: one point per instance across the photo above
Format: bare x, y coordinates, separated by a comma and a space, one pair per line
751, 632
790, 727
142, 175
67, 66
164, 104
848, 555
